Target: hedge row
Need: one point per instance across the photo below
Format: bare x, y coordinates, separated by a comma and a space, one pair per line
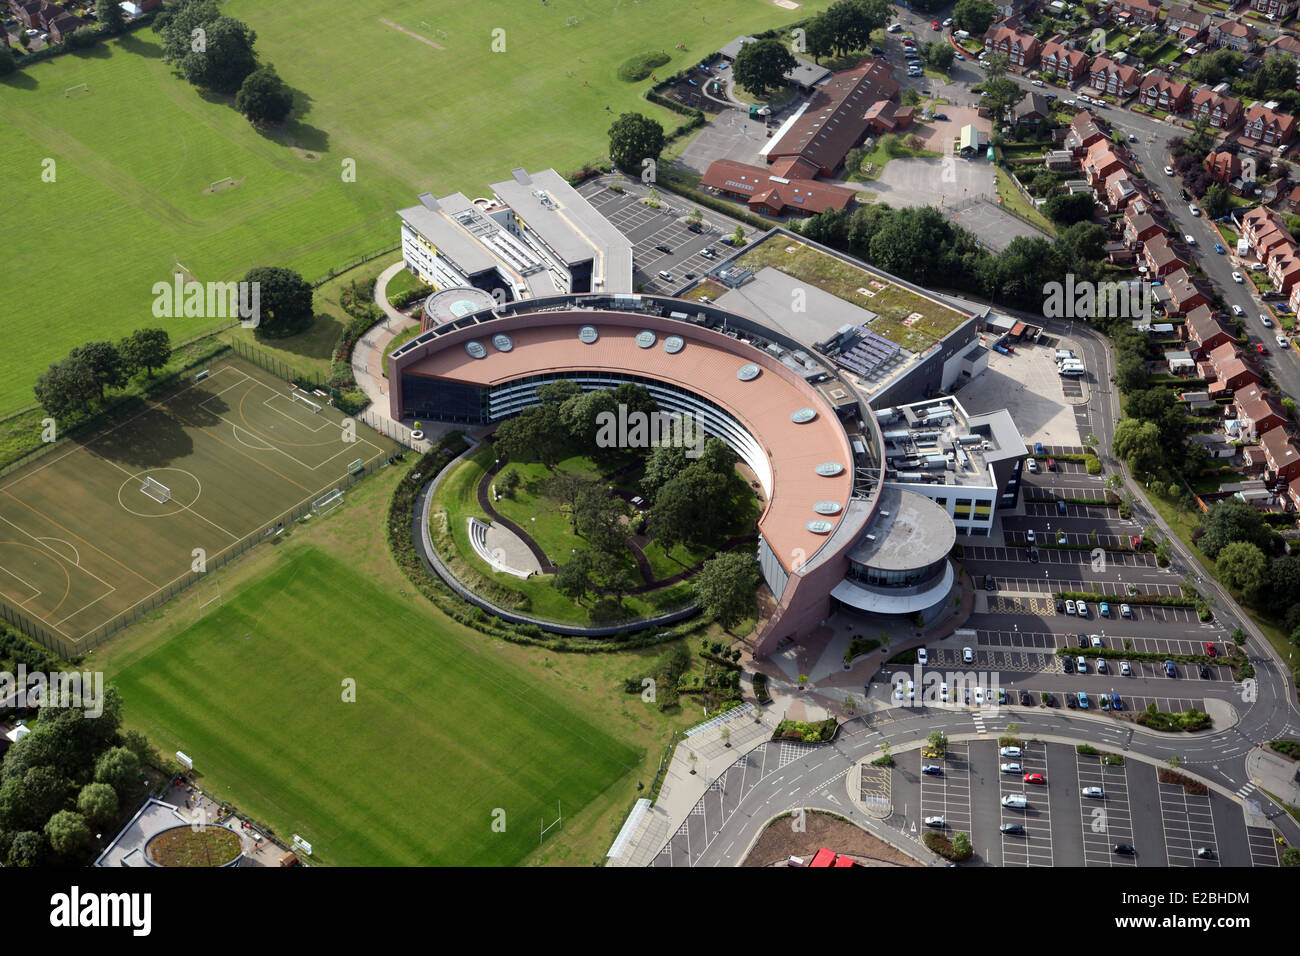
816, 732
1188, 721
53, 50
1288, 748
401, 513
1115, 653
1158, 599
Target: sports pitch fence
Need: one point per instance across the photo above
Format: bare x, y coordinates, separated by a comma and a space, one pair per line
233, 449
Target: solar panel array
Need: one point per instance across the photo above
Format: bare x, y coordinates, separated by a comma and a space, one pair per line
869, 353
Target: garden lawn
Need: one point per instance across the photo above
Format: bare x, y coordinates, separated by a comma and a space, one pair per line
438, 111
440, 736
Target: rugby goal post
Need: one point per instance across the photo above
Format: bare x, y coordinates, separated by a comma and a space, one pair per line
301, 399
327, 502
156, 490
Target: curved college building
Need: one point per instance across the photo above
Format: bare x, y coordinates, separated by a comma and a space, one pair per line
831, 533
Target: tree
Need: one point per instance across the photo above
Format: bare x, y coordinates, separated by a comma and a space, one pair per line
1216, 200
284, 300
263, 97
1243, 566
1229, 521
7, 64
1130, 372
1212, 67
67, 832
938, 740
226, 59
1138, 443
1068, 210
109, 16
1283, 584
146, 349
938, 55
661, 466
104, 363
596, 515
961, 846
1087, 239
1003, 92
176, 24
762, 65
573, 577
28, 849
996, 65
819, 38
974, 16
725, 587
67, 388
97, 802
83, 38
120, 769
535, 434
632, 139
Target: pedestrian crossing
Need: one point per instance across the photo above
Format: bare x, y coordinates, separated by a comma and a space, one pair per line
1246, 790
978, 718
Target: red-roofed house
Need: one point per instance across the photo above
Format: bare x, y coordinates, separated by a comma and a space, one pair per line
1159, 92
1224, 166
1293, 489
1063, 63
1160, 258
1114, 78
1101, 163
1282, 454
1203, 331
1293, 200
1084, 132
1184, 295
775, 195
1186, 23
1284, 269
1120, 191
1022, 49
1259, 411
1241, 37
1223, 112
823, 857
1135, 11
1294, 301
1268, 126
1230, 370
1279, 10
1140, 228
64, 25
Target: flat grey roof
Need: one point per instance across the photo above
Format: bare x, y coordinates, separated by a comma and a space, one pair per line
570, 225
445, 233
910, 530
805, 73
128, 848
769, 298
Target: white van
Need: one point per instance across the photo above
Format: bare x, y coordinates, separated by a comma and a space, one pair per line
961, 34
666, 276
1016, 800
1063, 354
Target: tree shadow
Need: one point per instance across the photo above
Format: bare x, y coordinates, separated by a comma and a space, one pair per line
99, 51
131, 43
153, 439
20, 80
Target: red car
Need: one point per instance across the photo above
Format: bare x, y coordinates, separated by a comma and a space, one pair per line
1209, 649
1034, 778
1259, 347
934, 25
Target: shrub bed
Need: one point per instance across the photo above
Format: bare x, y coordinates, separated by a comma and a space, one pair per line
859, 646
1165, 722
760, 689
1195, 787
1288, 748
1159, 599
938, 843
816, 732
637, 68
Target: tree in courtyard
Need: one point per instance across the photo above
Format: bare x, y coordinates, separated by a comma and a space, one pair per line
573, 577
938, 55
535, 434
582, 415
726, 586
761, 65
596, 518
633, 138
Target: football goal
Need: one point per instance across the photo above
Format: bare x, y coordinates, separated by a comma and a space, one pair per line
228, 181
302, 399
327, 503
79, 88
156, 490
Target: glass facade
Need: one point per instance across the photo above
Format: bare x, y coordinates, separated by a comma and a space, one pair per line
896, 579
443, 401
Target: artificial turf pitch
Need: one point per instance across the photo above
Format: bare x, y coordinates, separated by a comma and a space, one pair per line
441, 740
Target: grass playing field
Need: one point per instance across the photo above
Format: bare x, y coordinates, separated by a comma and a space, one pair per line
415, 104
439, 739
80, 541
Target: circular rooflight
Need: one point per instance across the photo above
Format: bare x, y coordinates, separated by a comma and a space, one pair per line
803, 416
645, 338
747, 373
829, 469
819, 526
827, 507
475, 349
674, 344
587, 335
502, 342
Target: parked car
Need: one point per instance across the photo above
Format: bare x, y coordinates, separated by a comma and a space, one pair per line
988, 583
1082, 698
1218, 247
1189, 239
1132, 138
1125, 669
1035, 778
1261, 348
1095, 792
1105, 611
1125, 849
1083, 608
1012, 768
1025, 699
939, 822
967, 655
1071, 702
1095, 639
1014, 828
1049, 700
1060, 606
1115, 702
1017, 800
922, 657
1169, 170
1238, 311
1070, 607
1205, 670
1101, 665
1170, 670
1029, 535
1067, 665
1032, 466
943, 692
664, 248
1125, 611
941, 116
1238, 278
1009, 752
1282, 341
1265, 321
933, 770
1211, 649
1194, 209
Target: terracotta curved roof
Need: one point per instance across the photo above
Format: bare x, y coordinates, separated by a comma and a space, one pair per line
707, 366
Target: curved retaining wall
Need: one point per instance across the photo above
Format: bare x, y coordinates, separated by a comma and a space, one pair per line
424, 545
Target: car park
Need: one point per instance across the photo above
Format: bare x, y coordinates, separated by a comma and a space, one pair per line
1125, 611
1012, 768
1069, 607
1125, 669
939, 822
967, 655
1170, 670
1082, 698
933, 770
1013, 828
